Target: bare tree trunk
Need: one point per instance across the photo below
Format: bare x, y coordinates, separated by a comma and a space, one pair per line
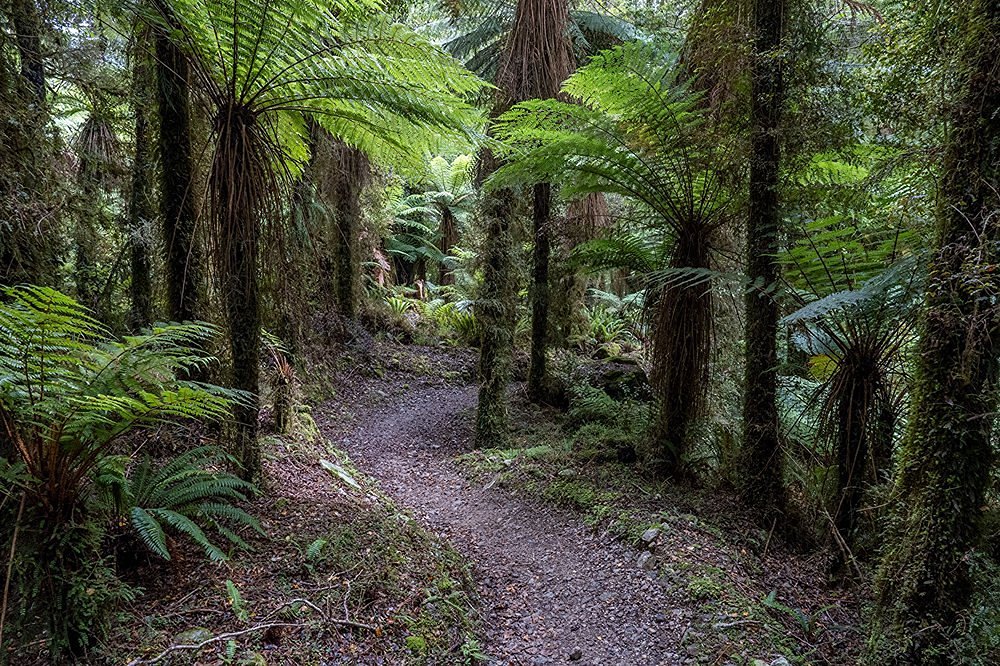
449, 238
923, 588
762, 482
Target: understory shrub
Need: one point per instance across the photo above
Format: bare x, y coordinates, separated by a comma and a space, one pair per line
70, 395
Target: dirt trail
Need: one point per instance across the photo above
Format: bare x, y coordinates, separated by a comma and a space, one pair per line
553, 591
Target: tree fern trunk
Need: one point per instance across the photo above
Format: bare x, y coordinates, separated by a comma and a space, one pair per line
184, 258
681, 332
449, 238
239, 182
923, 588
852, 452
762, 483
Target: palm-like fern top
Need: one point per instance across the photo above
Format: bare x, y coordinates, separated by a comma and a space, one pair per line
636, 132
374, 84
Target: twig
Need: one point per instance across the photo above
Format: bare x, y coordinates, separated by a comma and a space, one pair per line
215, 639
845, 550
10, 567
347, 621
768, 542
735, 623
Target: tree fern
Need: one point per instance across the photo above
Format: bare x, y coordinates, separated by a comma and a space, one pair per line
637, 132
861, 334
265, 69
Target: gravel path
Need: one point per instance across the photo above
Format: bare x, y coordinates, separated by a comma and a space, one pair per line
552, 591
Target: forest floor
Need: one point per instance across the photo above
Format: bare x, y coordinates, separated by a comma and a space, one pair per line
391, 541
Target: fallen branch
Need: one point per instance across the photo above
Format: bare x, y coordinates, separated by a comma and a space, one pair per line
215, 639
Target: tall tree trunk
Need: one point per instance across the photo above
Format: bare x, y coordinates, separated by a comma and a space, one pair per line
541, 205
762, 482
352, 173
140, 207
496, 313
184, 257
449, 238
923, 587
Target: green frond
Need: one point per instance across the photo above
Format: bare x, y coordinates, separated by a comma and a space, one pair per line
70, 389
150, 532
188, 527
373, 84
189, 494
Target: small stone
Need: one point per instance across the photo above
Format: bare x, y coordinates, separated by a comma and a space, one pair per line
194, 636
650, 535
647, 561
780, 661
576, 655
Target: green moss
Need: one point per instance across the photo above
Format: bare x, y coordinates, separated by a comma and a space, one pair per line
417, 645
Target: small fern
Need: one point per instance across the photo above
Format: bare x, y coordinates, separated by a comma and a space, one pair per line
185, 496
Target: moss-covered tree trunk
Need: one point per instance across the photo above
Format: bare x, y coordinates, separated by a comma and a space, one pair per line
762, 482
28, 244
496, 314
923, 587
184, 265
26, 19
351, 174
140, 205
